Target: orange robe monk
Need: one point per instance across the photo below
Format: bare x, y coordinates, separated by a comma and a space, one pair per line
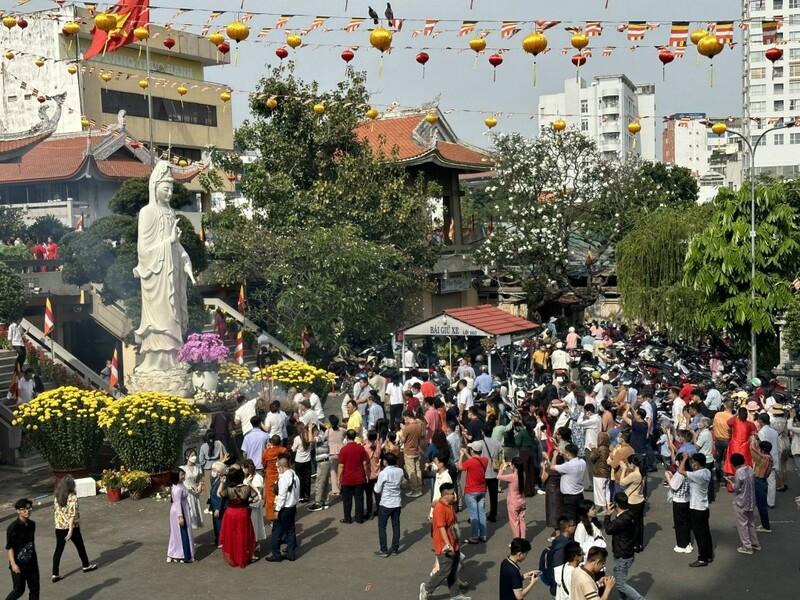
269, 459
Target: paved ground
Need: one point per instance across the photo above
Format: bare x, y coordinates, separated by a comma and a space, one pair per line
128, 540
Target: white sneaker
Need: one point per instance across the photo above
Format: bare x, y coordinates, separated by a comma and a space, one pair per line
678, 549
688, 550
423, 593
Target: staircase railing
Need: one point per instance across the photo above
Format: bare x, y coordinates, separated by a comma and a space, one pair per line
216, 303
63, 356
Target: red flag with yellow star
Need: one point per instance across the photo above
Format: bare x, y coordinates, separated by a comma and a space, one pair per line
130, 15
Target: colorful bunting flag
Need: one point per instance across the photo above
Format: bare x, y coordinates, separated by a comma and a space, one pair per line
354, 24
49, 323
508, 29
769, 32
679, 33
636, 30
429, 25
283, 20
725, 32
594, 28
467, 27
242, 301
545, 25
318, 22
264, 31
113, 379
238, 353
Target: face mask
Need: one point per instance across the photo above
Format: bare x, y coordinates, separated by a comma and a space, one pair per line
192, 459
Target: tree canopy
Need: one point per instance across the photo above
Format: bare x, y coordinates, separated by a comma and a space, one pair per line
337, 234
13, 294
134, 194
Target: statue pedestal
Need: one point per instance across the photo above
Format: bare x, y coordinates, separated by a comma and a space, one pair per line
176, 381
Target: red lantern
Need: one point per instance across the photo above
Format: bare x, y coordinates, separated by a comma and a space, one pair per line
347, 56
169, 43
231, 177
282, 53
22, 23
772, 54
495, 60
224, 48
579, 60
41, 99
666, 57
423, 58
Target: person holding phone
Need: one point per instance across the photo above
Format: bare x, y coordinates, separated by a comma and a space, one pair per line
446, 546
513, 584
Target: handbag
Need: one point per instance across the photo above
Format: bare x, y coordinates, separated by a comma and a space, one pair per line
25, 554
498, 461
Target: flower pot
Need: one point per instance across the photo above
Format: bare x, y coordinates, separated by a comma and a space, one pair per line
135, 494
159, 482
205, 380
59, 474
114, 494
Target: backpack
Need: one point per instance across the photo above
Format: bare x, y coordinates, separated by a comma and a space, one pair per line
546, 566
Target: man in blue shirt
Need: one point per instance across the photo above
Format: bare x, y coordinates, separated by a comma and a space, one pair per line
388, 486
483, 383
254, 443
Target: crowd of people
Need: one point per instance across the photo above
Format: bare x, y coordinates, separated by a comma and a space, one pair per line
591, 454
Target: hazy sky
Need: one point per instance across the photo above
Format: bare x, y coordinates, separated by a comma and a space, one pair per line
450, 72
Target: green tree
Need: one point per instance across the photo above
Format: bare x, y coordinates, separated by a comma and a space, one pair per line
134, 194
556, 194
13, 294
47, 226
718, 262
650, 262
337, 234
12, 225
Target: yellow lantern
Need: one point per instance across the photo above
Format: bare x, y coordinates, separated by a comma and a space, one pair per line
72, 69
535, 43
182, 162
144, 84
84, 121
579, 41
719, 128
181, 90
477, 44
71, 28
431, 118
225, 96
106, 21
141, 33
237, 31
634, 127
105, 77
381, 39
39, 62
490, 122
709, 45
559, 125
319, 109
372, 114
9, 21
294, 41
216, 38
9, 54
697, 35
271, 103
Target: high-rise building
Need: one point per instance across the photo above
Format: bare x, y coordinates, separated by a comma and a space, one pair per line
771, 91
603, 110
44, 63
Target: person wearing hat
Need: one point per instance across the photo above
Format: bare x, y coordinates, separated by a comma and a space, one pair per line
559, 359
572, 339
474, 464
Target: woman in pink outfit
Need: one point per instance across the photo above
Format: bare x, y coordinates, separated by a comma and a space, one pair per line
515, 495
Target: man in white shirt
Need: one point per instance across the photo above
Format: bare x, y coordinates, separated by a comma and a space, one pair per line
591, 424
388, 486
26, 387
15, 339
275, 421
677, 405
316, 403
571, 484
562, 574
465, 398
559, 359
244, 413
394, 393
411, 381
409, 359
283, 528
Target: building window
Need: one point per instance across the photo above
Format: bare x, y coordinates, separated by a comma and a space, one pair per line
584, 124
777, 4
758, 90
756, 57
164, 109
758, 73
777, 105
794, 87
794, 71
778, 139
794, 54
758, 107
777, 88
794, 36
777, 72
794, 104
794, 138
794, 3
12, 98
584, 107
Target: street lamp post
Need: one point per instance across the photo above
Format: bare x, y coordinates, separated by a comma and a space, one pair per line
721, 129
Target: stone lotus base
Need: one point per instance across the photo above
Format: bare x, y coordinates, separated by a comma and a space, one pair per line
176, 381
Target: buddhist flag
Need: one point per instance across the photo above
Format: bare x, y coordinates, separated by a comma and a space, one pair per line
725, 32
317, 23
238, 353
79, 224
769, 32
113, 380
594, 28
305, 340
508, 29
679, 33
467, 27
282, 21
354, 24
49, 323
13, 388
636, 30
242, 300
545, 25
429, 25
130, 15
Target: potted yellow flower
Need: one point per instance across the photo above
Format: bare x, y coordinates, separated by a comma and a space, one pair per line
301, 375
62, 424
136, 482
147, 431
